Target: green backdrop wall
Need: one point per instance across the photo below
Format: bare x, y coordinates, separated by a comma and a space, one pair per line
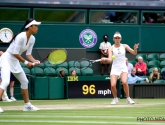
151, 38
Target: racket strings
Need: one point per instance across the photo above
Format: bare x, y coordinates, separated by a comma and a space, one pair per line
57, 56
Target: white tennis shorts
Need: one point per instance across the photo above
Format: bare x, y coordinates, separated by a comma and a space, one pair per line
118, 71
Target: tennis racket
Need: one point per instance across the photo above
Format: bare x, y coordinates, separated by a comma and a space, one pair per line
57, 56
84, 63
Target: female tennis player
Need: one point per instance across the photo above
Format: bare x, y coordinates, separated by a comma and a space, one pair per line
9, 62
119, 68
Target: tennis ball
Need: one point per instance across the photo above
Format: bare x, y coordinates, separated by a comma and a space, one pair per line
113, 57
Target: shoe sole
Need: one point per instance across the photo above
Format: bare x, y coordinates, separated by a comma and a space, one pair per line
7, 101
30, 110
113, 104
1, 111
130, 103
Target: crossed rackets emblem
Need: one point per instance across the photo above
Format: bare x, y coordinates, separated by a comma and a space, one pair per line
88, 38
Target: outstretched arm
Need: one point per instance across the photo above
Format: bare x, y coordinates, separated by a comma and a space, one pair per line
109, 59
134, 52
110, 53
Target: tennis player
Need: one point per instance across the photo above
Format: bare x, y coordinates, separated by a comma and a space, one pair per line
9, 62
119, 68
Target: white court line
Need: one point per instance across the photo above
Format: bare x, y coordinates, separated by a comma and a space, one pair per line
78, 106
73, 116
81, 122
43, 116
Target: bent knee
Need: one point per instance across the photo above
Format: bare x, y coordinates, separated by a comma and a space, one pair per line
113, 85
24, 84
124, 83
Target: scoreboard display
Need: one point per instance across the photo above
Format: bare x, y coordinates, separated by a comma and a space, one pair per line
89, 87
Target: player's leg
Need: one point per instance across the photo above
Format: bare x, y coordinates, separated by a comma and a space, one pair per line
5, 97
12, 81
12, 90
124, 77
24, 89
108, 67
102, 69
113, 80
5, 75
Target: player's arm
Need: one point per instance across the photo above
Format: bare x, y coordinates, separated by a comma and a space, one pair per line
29, 56
132, 51
110, 53
19, 43
109, 59
1, 52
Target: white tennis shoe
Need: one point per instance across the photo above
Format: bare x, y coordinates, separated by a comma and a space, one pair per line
1, 110
130, 101
30, 108
7, 100
13, 99
114, 101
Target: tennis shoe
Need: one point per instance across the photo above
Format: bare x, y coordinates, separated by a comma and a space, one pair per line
13, 99
130, 101
30, 108
7, 100
1, 110
114, 101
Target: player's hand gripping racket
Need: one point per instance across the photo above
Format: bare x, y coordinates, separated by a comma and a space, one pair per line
85, 62
57, 56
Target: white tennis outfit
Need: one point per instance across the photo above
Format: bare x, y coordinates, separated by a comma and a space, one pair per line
9, 63
119, 63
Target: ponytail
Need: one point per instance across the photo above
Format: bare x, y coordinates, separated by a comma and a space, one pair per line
27, 22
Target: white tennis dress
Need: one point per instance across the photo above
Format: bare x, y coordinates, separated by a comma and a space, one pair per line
18, 46
119, 63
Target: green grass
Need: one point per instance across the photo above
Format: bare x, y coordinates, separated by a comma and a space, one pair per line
83, 112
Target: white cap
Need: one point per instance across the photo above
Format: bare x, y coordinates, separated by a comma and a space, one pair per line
32, 23
117, 35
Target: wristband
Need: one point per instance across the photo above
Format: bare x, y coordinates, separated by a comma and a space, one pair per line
26, 62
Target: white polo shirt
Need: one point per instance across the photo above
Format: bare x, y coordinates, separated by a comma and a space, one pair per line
104, 46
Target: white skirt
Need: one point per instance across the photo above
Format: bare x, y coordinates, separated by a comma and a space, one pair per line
117, 71
8, 61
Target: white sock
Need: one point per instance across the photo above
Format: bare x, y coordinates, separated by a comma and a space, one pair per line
28, 103
128, 98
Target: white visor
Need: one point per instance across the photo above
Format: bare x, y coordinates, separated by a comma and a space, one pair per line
32, 23
117, 35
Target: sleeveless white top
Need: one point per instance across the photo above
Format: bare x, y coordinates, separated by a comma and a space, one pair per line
120, 61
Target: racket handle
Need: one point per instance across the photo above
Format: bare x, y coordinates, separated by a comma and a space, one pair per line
36, 63
98, 60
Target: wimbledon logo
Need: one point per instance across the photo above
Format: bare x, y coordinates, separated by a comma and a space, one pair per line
88, 38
